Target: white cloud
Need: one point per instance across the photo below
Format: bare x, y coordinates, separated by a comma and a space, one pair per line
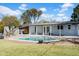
7, 11
18, 12
23, 7
56, 9
63, 10
51, 17
60, 14
47, 15
43, 9
66, 18
66, 5
63, 18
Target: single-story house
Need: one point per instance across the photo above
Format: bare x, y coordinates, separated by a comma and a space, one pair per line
68, 28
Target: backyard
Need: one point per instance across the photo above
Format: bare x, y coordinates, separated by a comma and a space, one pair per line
16, 48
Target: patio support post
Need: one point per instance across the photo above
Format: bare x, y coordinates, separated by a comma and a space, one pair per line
36, 30
21, 31
78, 29
60, 30
50, 30
29, 30
43, 30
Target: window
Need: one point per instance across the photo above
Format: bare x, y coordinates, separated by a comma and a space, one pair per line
44, 29
61, 26
69, 26
35, 29
47, 29
58, 27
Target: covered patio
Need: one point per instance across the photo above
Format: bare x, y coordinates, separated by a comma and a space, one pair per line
45, 29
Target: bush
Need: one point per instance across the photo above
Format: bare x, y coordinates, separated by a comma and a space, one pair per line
40, 41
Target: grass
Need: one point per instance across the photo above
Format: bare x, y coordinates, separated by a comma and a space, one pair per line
9, 48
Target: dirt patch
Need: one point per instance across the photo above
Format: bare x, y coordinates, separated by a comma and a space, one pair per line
21, 42
64, 43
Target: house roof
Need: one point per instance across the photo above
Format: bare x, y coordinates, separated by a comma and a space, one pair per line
23, 26
70, 22
44, 23
52, 23
58, 23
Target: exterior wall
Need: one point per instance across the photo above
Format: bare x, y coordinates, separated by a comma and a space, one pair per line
32, 30
78, 29
65, 30
39, 30
55, 31
72, 31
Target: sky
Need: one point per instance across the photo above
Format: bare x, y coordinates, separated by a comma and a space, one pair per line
51, 11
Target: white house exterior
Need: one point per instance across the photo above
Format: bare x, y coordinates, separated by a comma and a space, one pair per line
55, 29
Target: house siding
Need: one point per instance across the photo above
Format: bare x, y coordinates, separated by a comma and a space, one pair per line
72, 31
32, 30
39, 29
55, 31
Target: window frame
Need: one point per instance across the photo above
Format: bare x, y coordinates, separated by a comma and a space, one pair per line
69, 27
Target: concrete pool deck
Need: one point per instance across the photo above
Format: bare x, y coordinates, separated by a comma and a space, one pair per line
27, 36
70, 38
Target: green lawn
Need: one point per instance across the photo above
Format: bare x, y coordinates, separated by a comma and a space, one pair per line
8, 48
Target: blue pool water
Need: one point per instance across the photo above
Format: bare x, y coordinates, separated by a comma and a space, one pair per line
44, 39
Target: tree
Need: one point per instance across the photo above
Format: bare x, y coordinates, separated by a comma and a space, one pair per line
75, 14
39, 14
34, 14
10, 21
31, 15
1, 27
25, 17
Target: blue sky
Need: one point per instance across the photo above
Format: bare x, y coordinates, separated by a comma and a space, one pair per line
51, 11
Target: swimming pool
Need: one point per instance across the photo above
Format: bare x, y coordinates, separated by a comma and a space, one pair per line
40, 38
